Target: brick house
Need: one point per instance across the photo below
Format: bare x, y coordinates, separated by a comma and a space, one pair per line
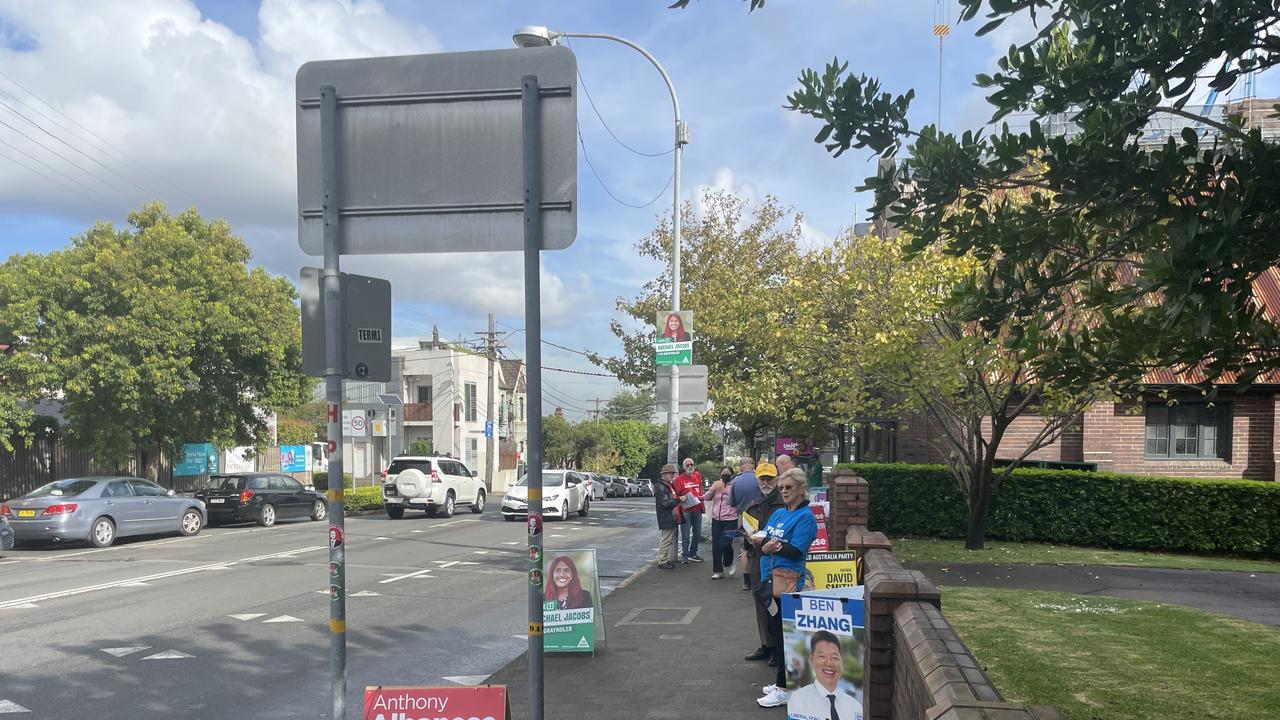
1236, 435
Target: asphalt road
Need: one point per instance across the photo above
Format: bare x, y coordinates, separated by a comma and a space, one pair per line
233, 623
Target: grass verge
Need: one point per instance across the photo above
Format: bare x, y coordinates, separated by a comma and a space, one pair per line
1110, 659
932, 550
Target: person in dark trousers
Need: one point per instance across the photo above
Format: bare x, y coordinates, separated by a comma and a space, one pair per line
724, 525
665, 503
744, 491
759, 511
689, 491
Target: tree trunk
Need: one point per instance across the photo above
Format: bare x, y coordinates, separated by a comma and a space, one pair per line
979, 503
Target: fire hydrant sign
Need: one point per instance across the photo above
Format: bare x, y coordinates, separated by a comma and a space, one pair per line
486, 702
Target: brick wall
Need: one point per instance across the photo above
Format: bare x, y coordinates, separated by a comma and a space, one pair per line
1115, 438
915, 432
849, 501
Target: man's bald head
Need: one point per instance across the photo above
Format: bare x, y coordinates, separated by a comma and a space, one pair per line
785, 463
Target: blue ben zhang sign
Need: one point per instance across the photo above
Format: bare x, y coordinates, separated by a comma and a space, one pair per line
197, 459
825, 636
293, 458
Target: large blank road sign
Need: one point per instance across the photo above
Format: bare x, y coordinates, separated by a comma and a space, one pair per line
693, 388
430, 152
366, 323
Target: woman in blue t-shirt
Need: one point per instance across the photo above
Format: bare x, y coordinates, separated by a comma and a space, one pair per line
789, 532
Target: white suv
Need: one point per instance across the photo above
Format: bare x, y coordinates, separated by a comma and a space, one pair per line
434, 484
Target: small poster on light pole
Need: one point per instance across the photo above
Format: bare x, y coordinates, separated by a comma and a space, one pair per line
673, 342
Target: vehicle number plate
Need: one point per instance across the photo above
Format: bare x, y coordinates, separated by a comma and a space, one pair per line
26, 513
217, 500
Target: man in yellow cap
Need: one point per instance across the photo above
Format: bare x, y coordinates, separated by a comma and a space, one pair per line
665, 502
757, 515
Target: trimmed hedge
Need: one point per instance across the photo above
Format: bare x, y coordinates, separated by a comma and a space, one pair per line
365, 498
321, 480
1084, 508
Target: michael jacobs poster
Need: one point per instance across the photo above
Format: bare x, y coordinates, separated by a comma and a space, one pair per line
824, 634
570, 601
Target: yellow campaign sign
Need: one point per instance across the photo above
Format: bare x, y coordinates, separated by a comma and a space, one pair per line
835, 569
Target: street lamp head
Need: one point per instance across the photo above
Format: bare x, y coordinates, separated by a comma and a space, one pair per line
534, 36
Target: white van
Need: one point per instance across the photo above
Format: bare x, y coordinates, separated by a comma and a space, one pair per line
436, 485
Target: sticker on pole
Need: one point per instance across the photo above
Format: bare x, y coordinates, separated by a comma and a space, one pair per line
335, 536
535, 577
484, 702
535, 524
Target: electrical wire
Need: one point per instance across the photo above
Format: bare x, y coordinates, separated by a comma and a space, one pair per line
592, 102
54, 169
609, 192
27, 167
42, 129
64, 158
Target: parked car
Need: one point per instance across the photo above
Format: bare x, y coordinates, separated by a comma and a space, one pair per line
436, 485
260, 497
6, 535
100, 509
613, 488
646, 487
563, 492
599, 486
633, 488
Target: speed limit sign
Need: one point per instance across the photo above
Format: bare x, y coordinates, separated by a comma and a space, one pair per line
357, 423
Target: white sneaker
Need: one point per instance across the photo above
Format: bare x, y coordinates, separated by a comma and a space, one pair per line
767, 689
716, 576
732, 570
774, 698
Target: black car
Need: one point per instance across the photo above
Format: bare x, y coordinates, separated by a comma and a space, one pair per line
260, 497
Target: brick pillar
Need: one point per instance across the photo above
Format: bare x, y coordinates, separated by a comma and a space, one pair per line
849, 500
888, 585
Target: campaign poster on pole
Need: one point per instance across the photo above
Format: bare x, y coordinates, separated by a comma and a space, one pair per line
571, 601
824, 635
673, 343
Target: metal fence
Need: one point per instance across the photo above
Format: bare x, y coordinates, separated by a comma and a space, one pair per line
27, 468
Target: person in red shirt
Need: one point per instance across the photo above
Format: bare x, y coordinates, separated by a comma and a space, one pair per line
689, 492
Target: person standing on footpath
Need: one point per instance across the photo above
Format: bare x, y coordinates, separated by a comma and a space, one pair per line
665, 503
689, 491
787, 536
744, 491
759, 513
724, 524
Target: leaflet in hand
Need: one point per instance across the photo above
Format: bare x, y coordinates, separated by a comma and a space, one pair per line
690, 500
750, 523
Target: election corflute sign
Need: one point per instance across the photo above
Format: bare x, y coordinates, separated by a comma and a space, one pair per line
824, 635
485, 702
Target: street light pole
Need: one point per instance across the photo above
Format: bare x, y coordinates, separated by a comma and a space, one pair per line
537, 36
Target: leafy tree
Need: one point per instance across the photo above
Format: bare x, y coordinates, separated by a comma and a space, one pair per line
633, 440
568, 445
629, 405
1158, 239
154, 334
421, 446
302, 424
735, 261
893, 322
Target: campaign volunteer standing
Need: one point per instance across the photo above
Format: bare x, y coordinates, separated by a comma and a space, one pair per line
787, 537
665, 503
689, 490
724, 525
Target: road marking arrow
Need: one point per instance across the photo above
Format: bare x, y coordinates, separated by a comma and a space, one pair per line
244, 617
9, 706
168, 655
367, 593
122, 651
466, 679
283, 618
394, 578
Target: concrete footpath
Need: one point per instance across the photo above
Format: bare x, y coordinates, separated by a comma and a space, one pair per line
1251, 596
675, 640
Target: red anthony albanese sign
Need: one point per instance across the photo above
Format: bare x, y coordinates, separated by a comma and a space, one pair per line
488, 702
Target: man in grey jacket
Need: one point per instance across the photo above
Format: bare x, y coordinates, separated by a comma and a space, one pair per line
664, 502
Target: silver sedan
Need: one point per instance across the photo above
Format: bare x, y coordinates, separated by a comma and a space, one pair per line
100, 509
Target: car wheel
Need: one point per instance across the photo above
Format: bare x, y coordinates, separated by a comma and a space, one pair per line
447, 509
586, 505
477, 507
267, 517
395, 512
102, 533
191, 523
564, 510
431, 510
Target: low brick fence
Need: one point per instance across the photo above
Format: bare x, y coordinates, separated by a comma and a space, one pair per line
916, 667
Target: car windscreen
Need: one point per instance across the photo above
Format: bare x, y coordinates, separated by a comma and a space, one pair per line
62, 488
399, 466
548, 480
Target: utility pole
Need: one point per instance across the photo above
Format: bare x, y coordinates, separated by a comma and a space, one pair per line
597, 411
491, 412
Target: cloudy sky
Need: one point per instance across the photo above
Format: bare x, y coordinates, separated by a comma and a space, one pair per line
106, 105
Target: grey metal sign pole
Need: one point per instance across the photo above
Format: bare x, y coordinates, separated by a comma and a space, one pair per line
331, 286
531, 120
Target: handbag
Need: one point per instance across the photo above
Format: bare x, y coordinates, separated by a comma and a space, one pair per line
784, 581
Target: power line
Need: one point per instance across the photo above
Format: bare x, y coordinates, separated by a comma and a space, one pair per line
580, 372
75, 122
609, 192
42, 129
592, 102
54, 169
64, 158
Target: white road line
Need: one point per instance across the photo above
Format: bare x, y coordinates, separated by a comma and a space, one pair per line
168, 655
283, 619
394, 578
9, 706
446, 563
10, 562
147, 578
243, 617
466, 679
122, 651
513, 542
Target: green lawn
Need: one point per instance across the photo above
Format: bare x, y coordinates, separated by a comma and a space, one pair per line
922, 550
1098, 658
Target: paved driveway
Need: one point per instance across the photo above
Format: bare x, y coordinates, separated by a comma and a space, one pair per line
1252, 596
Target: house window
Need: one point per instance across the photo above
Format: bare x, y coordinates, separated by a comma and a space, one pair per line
424, 394
469, 402
473, 447
1188, 431
520, 402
